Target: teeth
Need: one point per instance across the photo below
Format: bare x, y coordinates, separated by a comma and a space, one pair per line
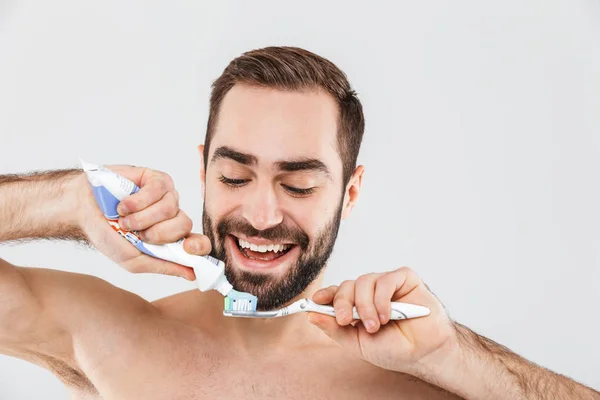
263, 248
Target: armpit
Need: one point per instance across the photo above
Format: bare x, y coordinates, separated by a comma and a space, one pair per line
70, 376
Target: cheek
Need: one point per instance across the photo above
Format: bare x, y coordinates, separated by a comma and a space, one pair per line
314, 213
220, 200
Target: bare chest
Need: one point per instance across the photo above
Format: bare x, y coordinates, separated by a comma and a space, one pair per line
315, 376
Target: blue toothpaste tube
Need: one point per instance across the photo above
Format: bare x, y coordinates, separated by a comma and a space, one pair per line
109, 188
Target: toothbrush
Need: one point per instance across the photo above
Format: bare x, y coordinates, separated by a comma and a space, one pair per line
398, 310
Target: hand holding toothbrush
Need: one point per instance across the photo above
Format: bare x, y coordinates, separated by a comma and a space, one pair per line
403, 345
154, 212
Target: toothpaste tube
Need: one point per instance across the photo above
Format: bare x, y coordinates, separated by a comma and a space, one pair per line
109, 188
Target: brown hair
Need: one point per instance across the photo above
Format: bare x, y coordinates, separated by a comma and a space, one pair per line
292, 68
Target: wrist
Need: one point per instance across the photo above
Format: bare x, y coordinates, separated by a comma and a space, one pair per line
80, 196
446, 360
467, 366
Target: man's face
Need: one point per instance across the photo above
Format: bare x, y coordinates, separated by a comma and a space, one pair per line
273, 190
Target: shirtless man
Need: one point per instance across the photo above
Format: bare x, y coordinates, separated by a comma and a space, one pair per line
278, 167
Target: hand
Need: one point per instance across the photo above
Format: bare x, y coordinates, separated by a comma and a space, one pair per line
154, 212
394, 345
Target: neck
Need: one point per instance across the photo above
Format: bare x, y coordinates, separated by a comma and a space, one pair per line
260, 335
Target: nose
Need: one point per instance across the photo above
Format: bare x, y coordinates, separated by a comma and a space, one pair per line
261, 208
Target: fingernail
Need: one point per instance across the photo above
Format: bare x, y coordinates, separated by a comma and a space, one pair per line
122, 209
381, 317
195, 247
124, 224
369, 324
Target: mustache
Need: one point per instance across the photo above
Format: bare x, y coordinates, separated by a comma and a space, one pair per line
280, 233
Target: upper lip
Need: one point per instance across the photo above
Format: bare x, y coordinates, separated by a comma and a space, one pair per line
258, 240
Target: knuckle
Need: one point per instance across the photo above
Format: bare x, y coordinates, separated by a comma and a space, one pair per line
405, 270
386, 279
341, 300
187, 224
164, 180
365, 279
172, 203
171, 198
133, 221
167, 211
167, 178
153, 235
364, 303
347, 283
159, 182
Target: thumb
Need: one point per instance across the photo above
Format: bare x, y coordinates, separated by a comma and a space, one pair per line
347, 336
197, 244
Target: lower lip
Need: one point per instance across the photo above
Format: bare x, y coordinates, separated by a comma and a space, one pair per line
258, 265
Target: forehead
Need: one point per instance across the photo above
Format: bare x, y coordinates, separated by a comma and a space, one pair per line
276, 125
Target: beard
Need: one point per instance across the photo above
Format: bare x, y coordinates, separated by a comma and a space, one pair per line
274, 291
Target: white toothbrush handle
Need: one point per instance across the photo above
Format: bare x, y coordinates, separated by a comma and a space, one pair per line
399, 311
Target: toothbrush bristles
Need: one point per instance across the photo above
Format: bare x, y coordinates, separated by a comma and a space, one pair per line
240, 301
241, 305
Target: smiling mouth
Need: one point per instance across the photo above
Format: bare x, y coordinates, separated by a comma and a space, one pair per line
262, 252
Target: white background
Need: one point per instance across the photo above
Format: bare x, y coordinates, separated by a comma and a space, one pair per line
482, 147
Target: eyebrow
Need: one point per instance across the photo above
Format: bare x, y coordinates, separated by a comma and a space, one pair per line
303, 164
294, 165
238, 156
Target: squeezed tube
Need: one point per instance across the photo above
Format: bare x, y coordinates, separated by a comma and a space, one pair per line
109, 188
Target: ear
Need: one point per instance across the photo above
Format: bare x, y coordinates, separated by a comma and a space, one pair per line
352, 191
202, 171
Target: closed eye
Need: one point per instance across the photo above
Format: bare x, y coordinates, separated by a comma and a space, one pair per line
233, 182
298, 192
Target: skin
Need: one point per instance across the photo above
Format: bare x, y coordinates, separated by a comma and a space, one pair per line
104, 342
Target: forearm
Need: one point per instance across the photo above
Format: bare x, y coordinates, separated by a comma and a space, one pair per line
41, 205
475, 367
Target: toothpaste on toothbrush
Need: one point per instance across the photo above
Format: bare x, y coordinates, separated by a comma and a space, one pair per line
109, 188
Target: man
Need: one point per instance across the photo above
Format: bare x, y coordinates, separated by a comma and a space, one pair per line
279, 172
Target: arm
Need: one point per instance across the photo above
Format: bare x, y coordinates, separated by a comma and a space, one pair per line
60, 205
41, 205
46, 315
476, 367
433, 348
42, 312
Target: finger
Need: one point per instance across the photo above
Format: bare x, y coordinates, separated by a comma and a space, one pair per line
147, 264
406, 280
392, 286
153, 191
347, 336
168, 231
325, 295
385, 287
343, 302
165, 209
197, 244
364, 292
